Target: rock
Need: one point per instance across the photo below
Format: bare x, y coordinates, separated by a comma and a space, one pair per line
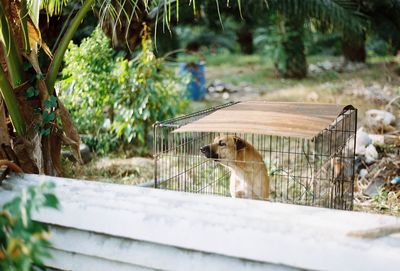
363, 138
326, 65
312, 68
68, 155
379, 121
381, 115
363, 173
86, 154
362, 141
371, 154
377, 93
353, 66
374, 187
225, 96
219, 89
84, 149
211, 89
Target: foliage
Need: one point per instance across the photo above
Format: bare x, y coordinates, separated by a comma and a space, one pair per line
284, 43
87, 85
322, 43
200, 36
114, 99
24, 242
386, 200
149, 92
376, 46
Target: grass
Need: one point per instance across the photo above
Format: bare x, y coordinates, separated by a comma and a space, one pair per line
384, 203
258, 72
129, 171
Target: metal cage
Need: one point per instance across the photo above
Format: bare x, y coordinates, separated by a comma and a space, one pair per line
315, 170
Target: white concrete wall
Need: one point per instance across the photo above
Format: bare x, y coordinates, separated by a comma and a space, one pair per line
110, 227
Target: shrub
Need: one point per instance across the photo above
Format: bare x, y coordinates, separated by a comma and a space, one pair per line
87, 87
24, 242
115, 101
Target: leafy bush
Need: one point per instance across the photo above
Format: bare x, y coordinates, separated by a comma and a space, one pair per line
376, 46
318, 43
87, 86
114, 100
24, 242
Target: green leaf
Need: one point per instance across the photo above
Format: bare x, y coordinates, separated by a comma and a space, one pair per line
17, 227
51, 200
48, 117
45, 132
37, 128
51, 102
31, 92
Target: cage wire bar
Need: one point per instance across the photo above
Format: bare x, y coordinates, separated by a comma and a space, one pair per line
317, 171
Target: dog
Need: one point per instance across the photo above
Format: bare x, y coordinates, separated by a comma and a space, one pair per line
249, 176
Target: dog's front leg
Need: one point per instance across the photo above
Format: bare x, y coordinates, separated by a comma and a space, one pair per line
240, 194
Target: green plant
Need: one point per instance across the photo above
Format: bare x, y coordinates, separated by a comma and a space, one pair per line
87, 85
150, 91
21, 39
23, 241
114, 100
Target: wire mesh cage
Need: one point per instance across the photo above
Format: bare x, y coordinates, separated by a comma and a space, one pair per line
287, 152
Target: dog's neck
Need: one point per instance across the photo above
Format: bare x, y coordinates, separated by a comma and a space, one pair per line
241, 163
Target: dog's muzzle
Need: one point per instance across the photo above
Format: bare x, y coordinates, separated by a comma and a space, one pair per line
206, 150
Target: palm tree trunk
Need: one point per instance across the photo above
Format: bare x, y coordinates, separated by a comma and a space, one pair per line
33, 150
245, 40
353, 47
4, 137
290, 58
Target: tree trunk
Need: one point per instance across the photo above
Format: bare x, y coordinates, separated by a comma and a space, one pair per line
353, 47
4, 137
37, 135
290, 58
245, 40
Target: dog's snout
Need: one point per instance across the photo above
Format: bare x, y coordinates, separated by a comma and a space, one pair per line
208, 152
205, 149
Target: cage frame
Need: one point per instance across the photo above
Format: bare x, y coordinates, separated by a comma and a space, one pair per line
178, 122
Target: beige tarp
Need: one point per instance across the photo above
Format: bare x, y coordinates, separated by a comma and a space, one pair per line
302, 120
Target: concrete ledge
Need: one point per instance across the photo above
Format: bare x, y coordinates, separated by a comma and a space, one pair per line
104, 226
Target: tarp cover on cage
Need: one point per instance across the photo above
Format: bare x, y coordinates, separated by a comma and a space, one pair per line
303, 120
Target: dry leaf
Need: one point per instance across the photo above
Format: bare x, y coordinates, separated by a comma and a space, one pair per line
4, 137
22, 148
71, 136
35, 38
55, 153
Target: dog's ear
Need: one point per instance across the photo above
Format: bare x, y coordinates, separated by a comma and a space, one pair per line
240, 143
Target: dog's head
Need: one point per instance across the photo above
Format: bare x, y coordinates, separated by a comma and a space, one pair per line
224, 148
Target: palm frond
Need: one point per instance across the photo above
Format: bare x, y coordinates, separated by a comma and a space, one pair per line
342, 14
53, 7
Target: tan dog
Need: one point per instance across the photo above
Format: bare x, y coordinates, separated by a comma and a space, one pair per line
249, 176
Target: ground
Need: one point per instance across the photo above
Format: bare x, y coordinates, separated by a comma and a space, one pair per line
253, 77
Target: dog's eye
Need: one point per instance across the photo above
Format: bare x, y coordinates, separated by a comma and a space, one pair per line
221, 143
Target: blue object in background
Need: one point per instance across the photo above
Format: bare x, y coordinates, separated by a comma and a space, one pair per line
197, 85
395, 180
